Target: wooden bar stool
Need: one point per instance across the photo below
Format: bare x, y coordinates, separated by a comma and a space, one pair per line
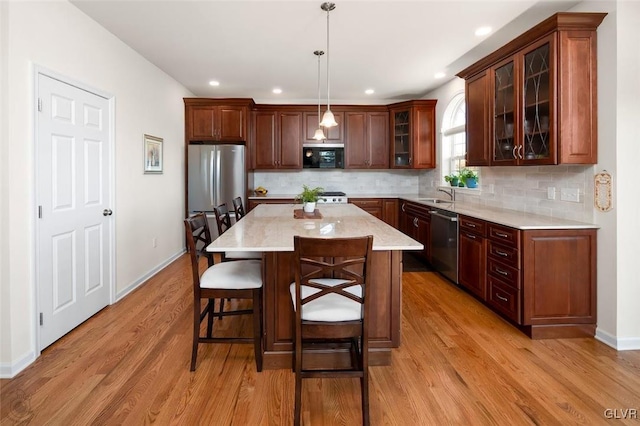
331, 305
239, 208
240, 279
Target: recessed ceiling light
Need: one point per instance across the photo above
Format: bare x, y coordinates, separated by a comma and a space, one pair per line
483, 31
439, 75
277, 91
369, 91
214, 83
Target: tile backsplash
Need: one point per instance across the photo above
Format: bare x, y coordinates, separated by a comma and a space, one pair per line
526, 189
522, 189
350, 181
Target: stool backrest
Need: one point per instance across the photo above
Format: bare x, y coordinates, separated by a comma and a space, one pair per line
223, 219
239, 208
198, 238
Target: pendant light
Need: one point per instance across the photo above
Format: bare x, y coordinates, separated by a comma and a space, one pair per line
319, 134
328, 120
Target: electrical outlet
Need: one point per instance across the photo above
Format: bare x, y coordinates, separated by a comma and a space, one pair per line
154, 242
551, 193
570, 194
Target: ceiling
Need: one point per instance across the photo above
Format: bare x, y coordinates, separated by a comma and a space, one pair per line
250, 47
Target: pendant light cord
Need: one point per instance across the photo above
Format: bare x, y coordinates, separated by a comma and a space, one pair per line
328, 98
318, 53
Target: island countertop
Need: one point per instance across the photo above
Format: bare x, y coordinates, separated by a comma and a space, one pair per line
271, 227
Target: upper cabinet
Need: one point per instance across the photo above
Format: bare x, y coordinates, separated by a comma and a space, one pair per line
277, 139
534, 101
413, 130
367, 139
334, 134
223, 120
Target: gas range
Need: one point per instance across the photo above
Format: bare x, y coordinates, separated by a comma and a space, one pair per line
333, 197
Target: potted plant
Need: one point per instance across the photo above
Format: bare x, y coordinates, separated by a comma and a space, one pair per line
469, 178
452, 179
309, 197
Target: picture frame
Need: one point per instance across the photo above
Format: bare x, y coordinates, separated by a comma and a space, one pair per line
152, 154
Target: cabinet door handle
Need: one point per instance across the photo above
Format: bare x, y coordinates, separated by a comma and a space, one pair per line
502, 235
513, 152
501, 272
504, 299
402, 207
473, 237
501, 253
415, 222
409, 160
470, 225
520, 150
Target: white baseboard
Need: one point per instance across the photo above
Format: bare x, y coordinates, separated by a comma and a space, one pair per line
620, 344
137, 283
9, 371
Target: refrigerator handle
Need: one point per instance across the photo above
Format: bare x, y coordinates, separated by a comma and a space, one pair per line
217, 177
211, 180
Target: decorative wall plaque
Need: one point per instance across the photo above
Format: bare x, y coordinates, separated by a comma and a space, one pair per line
603, 184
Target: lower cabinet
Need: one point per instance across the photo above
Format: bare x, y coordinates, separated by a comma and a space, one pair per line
415, 221
385, 209
472, 256
544, 281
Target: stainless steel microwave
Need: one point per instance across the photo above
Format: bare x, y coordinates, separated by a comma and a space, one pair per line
323, 157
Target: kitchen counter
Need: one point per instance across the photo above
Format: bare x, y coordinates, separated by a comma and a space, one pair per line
506, 217
271, 227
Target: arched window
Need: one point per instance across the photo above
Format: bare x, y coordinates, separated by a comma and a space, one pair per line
453, 137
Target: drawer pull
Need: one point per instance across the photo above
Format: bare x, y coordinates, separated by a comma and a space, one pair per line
470, 225
504, 299
501, 272
402, 207
502, 235
473, 237
501, 253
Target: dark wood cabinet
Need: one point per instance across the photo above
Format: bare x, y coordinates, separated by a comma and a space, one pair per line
223, 120
540, 96
255, 202
385, 209
367, 140
277, 139
542, 280
413, 134
472, 255
333, 134
478, 96
390, 211
415, 221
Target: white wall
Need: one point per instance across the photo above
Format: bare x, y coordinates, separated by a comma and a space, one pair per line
57, 36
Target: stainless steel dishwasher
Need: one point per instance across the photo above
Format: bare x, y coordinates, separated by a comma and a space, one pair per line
444, 243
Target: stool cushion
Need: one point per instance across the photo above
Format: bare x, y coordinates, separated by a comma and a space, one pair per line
243, 254
240, 274
330, 307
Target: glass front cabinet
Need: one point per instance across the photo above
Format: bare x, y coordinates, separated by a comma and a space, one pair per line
413, 134
542, 96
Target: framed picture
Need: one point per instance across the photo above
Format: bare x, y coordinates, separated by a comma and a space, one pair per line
152, 154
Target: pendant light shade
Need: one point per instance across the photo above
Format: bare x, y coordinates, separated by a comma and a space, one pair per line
319, 134
328, 120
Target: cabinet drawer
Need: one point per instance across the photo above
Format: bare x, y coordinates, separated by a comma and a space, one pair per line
474, 225
366, 203
504, 298
509, 255
416, 209
506, 273
507, 236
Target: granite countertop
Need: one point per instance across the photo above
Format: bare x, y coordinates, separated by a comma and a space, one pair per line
506, 217
271, 227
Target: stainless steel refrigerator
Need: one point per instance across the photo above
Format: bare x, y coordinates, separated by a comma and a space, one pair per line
216, 175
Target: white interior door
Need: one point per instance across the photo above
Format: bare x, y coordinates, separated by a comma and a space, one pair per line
74, 216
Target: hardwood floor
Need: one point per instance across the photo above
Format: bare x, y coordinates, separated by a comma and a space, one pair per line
459, 363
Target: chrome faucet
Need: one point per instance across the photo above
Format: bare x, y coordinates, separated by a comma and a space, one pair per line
451, 193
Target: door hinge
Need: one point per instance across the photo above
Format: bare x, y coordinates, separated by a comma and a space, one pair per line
41, 318
39, 104
39, 212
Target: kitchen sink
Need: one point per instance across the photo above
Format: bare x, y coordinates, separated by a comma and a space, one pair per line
435, 200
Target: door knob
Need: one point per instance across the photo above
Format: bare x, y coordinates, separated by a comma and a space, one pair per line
107, 212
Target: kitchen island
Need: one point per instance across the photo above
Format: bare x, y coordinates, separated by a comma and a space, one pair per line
270, 228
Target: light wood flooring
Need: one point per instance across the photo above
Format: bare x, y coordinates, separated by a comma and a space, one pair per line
458, 364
